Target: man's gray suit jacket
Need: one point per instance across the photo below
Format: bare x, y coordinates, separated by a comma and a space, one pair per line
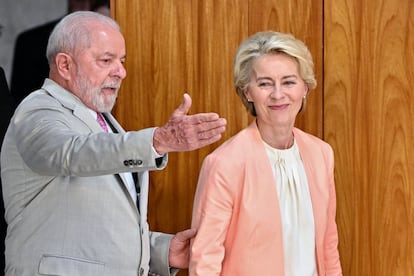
68, 210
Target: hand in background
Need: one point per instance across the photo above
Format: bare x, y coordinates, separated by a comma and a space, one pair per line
185, 132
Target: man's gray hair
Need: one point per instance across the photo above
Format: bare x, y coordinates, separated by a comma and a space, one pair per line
72, 33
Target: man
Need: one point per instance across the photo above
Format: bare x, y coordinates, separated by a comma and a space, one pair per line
70, 199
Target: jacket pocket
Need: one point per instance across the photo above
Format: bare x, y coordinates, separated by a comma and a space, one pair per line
68, 266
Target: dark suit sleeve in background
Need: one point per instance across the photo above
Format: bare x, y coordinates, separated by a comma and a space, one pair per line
30, 66
6, 108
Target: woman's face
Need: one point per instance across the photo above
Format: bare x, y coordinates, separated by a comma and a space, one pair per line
276, 90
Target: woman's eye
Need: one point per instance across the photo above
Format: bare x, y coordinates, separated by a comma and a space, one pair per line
265, 84
289, 83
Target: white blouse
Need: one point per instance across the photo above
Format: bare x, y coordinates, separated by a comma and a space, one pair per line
296, 211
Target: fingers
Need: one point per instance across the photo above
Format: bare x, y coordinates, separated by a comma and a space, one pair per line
205, 142
200, 130
209, 130
185, 132
202, 117
205, 126
188, 132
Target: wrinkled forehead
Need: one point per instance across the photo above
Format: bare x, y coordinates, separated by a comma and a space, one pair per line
98, 34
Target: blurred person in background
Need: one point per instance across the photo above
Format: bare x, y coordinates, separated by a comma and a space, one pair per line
29, 65
101, 6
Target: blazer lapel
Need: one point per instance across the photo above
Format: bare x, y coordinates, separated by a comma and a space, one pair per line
319, 194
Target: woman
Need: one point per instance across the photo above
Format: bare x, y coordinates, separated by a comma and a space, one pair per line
265, 201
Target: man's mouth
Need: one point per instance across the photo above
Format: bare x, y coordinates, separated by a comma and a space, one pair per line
110, 88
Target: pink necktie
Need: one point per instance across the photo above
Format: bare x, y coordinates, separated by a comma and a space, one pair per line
101, 122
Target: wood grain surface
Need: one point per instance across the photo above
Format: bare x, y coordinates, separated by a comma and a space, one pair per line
368, 119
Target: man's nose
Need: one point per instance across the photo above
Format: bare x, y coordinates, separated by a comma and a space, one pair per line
119, 70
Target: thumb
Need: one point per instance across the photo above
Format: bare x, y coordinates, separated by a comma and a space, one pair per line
187, 234
184, 106
184, 236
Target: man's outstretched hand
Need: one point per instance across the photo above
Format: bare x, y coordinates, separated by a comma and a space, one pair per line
179, 256
185, 132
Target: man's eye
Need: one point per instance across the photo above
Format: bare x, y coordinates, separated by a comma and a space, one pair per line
105, 61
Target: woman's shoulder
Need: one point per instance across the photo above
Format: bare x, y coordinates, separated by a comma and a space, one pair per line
309, 138
242, 141
313, 146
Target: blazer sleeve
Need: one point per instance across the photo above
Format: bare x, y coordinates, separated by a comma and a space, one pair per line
332, 261
62, 144
212, 213
159, 260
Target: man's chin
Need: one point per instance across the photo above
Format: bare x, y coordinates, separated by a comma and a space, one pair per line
105, 107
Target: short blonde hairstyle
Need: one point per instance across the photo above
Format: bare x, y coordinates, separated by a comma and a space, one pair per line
269, 42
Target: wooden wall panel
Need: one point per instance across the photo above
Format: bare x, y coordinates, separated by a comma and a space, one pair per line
368, 119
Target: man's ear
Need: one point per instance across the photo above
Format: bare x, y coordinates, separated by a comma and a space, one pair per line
64, 64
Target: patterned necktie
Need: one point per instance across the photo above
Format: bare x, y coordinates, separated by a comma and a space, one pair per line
101, 122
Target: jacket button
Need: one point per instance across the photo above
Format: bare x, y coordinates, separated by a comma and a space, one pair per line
141, 271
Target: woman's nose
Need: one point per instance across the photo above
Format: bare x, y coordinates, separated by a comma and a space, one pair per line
276, 92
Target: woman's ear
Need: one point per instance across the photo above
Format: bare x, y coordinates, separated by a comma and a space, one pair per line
306, 90
64, 64
247, 95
